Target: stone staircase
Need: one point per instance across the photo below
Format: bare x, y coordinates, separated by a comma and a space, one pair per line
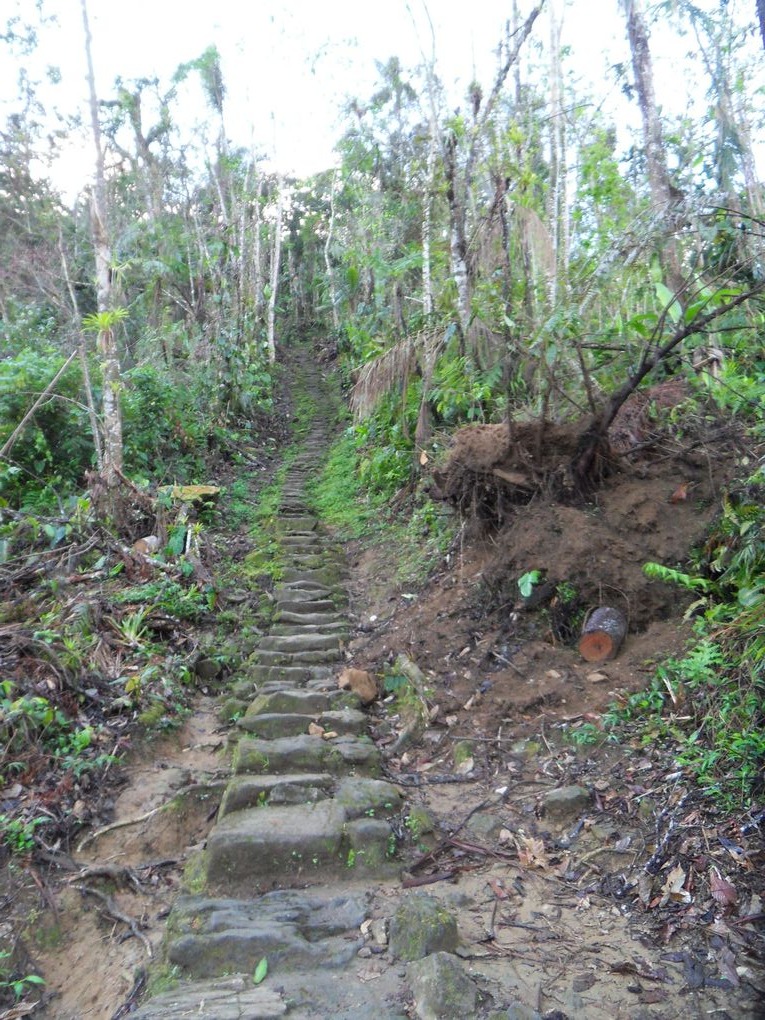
303, 831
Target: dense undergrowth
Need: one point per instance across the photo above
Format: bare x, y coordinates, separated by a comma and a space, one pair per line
108, 628
710, 703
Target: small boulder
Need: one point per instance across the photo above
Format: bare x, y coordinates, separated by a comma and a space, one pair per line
566, 802
421, 926
362, 683
441, 987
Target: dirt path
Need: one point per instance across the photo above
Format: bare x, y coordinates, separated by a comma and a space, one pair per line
481, 868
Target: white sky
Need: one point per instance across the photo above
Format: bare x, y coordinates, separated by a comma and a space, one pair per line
288, 63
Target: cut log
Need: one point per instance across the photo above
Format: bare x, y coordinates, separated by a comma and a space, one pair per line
602, 634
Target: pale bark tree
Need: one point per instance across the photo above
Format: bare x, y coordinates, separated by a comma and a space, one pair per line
107, 343
276, 248
661, 191
327, 255
460, 173
558, 193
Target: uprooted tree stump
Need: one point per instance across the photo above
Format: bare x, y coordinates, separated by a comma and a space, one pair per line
602, 634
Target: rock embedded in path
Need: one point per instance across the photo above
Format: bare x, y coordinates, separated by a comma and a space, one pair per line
566, 802
420, 926
441, 987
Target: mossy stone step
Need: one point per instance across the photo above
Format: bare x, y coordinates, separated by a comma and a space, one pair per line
325, 578
302, 702
299, 521
318, 657
302, 626
302, 843
315, 589
245, 792
306, 753
271, 725
299, 675
307, 618
215, 936
295, 643
303, 604
275, 843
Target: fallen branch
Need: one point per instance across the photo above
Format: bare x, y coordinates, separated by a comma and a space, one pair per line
114, 872
118, 825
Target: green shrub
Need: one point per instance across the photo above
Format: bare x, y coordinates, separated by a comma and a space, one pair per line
55, 447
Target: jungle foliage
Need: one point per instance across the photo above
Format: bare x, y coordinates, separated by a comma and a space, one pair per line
510, 259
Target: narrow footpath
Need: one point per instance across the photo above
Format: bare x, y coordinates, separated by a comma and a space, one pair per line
302, 832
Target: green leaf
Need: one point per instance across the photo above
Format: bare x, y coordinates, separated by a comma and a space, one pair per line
667, 298
527, 581
260, 972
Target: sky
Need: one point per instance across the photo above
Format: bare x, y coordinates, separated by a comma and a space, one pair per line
288, 64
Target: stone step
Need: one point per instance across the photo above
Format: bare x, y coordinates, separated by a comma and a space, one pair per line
302, 548
300, 521
232, 997
301, 702
291, 928
301, 626
291, 675
303, 602
314, 589
325, 578
272, 725
293, 644
271, 657
293, 843
305, 753
307, 618
256, 791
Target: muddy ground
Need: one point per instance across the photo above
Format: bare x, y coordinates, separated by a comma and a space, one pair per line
610, 906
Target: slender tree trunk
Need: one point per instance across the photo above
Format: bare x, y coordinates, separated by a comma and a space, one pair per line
656, 162
92, 415
558, 199
460, 180
107, 346
257, 268
427, 229
276, 248
328, 258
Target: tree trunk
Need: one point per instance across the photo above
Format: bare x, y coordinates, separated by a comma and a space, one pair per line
460, 181
558, 199
602, 635
656, 162
427, 230
327, 256
107, 346
276, 248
